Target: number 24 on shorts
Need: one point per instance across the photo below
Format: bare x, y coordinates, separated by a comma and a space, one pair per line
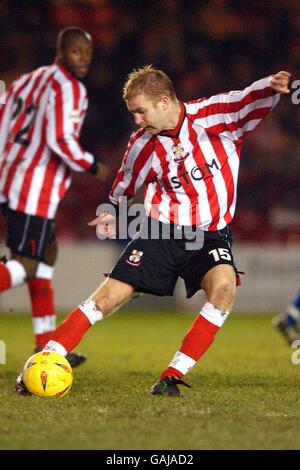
220, 253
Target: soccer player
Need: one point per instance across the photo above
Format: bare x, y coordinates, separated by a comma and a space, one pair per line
287, 322
40, 126
187, 157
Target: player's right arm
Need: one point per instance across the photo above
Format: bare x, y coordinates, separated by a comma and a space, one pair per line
133, 173
135, 168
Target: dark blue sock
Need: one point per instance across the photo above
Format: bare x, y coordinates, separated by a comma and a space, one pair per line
290, 320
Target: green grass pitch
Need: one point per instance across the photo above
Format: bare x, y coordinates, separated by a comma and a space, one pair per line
245, 391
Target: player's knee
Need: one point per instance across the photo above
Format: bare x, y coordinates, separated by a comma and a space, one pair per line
30, 265
222, 296
107, 302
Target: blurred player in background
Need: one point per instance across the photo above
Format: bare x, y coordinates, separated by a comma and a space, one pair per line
40, 126
187, 157
287, 322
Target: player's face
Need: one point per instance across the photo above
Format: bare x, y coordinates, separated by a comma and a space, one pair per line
77, 56
148, 114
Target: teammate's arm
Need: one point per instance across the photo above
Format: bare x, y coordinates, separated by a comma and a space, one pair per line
63, 133
6, 112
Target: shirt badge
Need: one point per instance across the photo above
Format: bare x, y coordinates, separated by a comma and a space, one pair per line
179, 153
135, 258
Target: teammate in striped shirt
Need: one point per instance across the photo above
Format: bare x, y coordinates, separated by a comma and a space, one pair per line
40, 126
186, 155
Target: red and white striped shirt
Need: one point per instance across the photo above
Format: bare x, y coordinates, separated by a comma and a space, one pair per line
39, 131
190, 173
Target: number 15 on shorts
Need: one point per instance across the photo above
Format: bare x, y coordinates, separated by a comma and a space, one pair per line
220, 253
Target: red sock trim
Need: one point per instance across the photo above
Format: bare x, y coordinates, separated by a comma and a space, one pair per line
42, 297
70, 332
42, 339
171, 372
195, 343
5, 279
198, 338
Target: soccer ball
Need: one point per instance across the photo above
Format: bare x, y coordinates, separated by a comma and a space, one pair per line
47, 374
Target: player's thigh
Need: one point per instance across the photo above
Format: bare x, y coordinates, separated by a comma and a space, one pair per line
50, 253
31, 240
31, 265
111, 293
30, 236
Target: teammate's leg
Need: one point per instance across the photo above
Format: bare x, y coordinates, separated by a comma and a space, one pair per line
12, 274
287, 322
42, 296
42, 305
219, 286
15, 271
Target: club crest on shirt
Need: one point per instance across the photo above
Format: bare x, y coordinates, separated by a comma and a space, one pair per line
135, 258
179, 153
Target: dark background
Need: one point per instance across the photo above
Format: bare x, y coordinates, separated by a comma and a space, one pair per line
205, 47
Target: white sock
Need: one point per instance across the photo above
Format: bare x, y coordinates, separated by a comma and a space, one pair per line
44, 271
214, 314
91, 311
17, 272
55, 347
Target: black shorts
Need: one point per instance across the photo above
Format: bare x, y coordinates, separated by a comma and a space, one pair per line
3, 208
154, 265
28, 235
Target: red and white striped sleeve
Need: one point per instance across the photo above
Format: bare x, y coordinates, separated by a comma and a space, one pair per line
64, 115
6, 111
236, 113
135, 167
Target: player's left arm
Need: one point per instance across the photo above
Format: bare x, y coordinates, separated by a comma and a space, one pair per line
280, 82
236, 113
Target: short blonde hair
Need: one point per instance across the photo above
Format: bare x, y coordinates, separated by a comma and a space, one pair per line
150, 81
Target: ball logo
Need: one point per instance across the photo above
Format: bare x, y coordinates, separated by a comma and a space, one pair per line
44, 379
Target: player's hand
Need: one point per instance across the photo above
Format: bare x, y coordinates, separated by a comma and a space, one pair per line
105, 225
102, 172
280, 81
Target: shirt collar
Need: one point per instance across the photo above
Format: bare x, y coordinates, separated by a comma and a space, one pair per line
175, 132
64, 70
